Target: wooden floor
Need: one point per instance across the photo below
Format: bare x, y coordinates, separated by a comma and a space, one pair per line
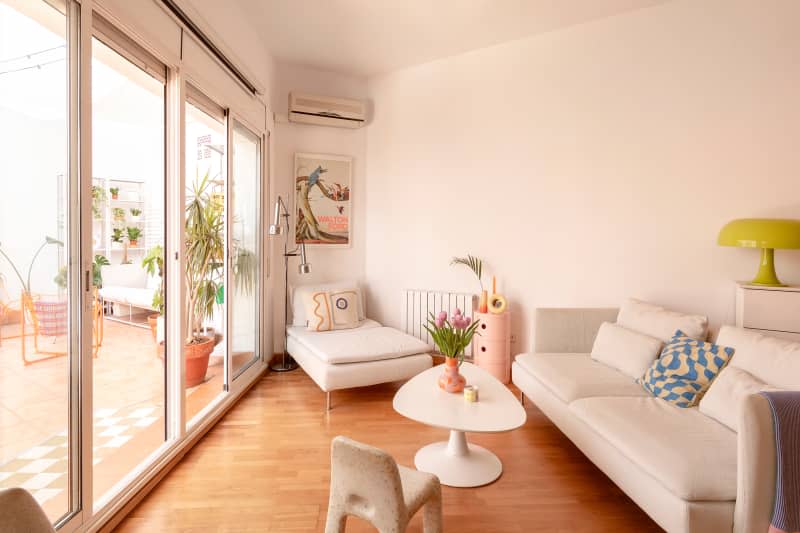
265, 467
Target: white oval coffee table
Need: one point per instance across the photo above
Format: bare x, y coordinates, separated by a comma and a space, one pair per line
458, 463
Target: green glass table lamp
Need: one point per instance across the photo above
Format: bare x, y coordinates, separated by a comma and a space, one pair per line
764, 233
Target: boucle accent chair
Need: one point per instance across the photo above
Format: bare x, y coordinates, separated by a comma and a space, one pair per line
367, 482
19, 513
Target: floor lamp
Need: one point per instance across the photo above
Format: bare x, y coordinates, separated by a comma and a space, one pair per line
276, 228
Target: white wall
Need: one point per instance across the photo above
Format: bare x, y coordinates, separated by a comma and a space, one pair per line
589, 164
289, 138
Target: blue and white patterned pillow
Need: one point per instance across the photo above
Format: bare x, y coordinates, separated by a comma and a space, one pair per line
685, 370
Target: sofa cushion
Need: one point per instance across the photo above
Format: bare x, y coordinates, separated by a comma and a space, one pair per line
574, 376
685, 370
691, 455
723, 401
626, 350
659, 322
772, 360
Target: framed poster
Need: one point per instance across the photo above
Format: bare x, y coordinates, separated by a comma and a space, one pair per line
323, 199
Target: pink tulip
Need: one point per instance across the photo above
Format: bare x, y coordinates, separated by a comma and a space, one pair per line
442, 315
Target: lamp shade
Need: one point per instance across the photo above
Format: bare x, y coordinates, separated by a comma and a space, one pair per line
764, 233
761, 233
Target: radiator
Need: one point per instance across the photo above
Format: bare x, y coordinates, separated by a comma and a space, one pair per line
418, 304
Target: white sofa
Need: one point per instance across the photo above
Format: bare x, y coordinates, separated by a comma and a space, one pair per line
686, 470
128, 285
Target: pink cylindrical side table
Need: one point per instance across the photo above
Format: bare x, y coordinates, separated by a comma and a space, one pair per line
492, 348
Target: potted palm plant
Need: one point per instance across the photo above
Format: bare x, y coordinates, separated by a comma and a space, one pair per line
205, 254
133, 236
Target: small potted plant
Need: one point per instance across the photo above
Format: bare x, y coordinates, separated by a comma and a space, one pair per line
133, 236
153, 264
135, 214
476, 265
97, 275
118, 214
116, 238
114, 193
452, 336
98, 199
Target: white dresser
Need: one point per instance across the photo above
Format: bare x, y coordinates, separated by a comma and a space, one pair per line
772, 310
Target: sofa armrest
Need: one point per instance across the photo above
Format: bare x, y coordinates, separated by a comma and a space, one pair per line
756, 473
568, 330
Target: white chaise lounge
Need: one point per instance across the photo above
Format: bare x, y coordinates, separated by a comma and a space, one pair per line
342, 359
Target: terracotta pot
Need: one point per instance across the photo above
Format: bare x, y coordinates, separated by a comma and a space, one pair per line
197, 355
152, 321
451, 380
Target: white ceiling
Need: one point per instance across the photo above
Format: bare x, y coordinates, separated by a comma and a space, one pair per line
368, 37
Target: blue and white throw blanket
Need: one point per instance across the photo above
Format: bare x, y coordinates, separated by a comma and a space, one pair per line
786, 417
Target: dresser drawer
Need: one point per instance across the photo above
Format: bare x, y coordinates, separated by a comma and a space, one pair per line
494, 327
774, 310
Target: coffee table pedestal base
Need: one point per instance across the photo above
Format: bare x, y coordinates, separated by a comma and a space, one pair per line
458, 463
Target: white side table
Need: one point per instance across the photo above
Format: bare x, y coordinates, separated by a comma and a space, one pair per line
456, 462
772, 311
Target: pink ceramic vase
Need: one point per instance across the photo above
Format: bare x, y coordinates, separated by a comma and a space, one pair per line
451, 380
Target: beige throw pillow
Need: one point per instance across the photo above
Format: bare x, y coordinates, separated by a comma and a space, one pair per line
626, 350
723, 401
659, 322
344, 308
330, 310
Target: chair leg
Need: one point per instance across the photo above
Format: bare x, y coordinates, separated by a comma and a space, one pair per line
432, 513
337, 521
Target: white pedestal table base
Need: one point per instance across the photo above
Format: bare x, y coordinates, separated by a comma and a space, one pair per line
458, 463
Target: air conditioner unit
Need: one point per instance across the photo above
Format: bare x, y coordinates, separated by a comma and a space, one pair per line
326, 111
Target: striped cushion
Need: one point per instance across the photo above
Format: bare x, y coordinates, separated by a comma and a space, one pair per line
685, 370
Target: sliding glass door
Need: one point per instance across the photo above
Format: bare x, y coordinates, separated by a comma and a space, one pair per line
39, 333
205, 228
127, 268
128, 241
245, 271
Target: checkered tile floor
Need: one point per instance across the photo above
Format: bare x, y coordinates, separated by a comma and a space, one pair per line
42, 469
